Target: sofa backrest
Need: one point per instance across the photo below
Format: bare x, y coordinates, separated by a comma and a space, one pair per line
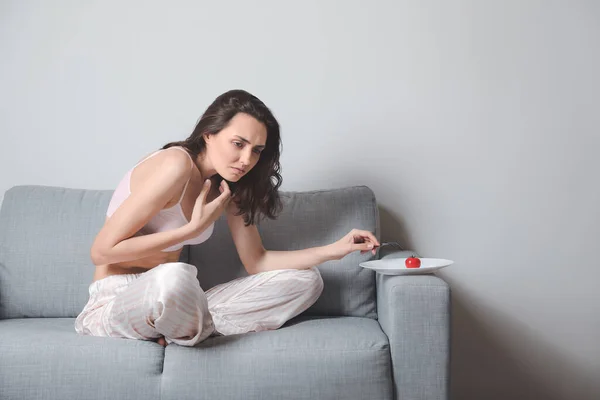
46, 234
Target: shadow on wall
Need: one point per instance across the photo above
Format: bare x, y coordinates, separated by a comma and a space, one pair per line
393, 229
495, 357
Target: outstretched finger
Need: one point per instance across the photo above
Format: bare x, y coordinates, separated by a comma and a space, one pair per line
367, 246
225, 192
204, 191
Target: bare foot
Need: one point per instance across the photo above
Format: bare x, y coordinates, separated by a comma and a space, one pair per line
161, 340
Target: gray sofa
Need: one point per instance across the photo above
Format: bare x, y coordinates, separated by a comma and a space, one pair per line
368, 336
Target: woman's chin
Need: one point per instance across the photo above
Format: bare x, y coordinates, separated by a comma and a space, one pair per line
233, 176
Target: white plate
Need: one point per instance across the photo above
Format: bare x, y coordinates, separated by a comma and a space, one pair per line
396, 266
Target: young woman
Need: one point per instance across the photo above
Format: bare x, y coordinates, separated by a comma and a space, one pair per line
172, 198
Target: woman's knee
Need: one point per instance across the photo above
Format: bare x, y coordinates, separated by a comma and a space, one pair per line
310, 279
316, 281
177, 277
178, 268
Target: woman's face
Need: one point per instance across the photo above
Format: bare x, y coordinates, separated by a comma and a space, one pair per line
235, 150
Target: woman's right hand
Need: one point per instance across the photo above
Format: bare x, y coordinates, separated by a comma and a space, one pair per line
205, 214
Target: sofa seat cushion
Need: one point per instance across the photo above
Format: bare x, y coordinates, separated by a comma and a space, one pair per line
308, 358
46, 358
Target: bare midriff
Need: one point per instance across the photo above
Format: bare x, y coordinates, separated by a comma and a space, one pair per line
106, 270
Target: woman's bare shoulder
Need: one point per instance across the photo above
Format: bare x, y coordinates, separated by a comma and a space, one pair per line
171, 164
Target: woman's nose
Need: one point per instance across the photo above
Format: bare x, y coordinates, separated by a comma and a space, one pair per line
245, 159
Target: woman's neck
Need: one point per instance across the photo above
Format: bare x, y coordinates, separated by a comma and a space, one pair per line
205, 166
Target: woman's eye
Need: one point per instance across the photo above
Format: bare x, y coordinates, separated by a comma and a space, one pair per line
257, 151
238, 144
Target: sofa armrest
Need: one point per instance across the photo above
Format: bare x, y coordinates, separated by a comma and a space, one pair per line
414, 312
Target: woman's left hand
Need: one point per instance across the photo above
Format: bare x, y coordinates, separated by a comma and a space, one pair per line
355, 240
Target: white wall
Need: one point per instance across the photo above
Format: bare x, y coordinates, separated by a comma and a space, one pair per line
476, 123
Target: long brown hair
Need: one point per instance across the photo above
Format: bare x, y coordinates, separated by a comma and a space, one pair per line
256, 193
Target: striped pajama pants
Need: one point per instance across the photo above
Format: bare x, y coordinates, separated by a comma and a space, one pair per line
167, 301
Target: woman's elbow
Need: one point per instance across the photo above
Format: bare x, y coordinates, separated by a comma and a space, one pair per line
98, 256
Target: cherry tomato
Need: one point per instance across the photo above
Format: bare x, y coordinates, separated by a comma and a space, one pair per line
412, 262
